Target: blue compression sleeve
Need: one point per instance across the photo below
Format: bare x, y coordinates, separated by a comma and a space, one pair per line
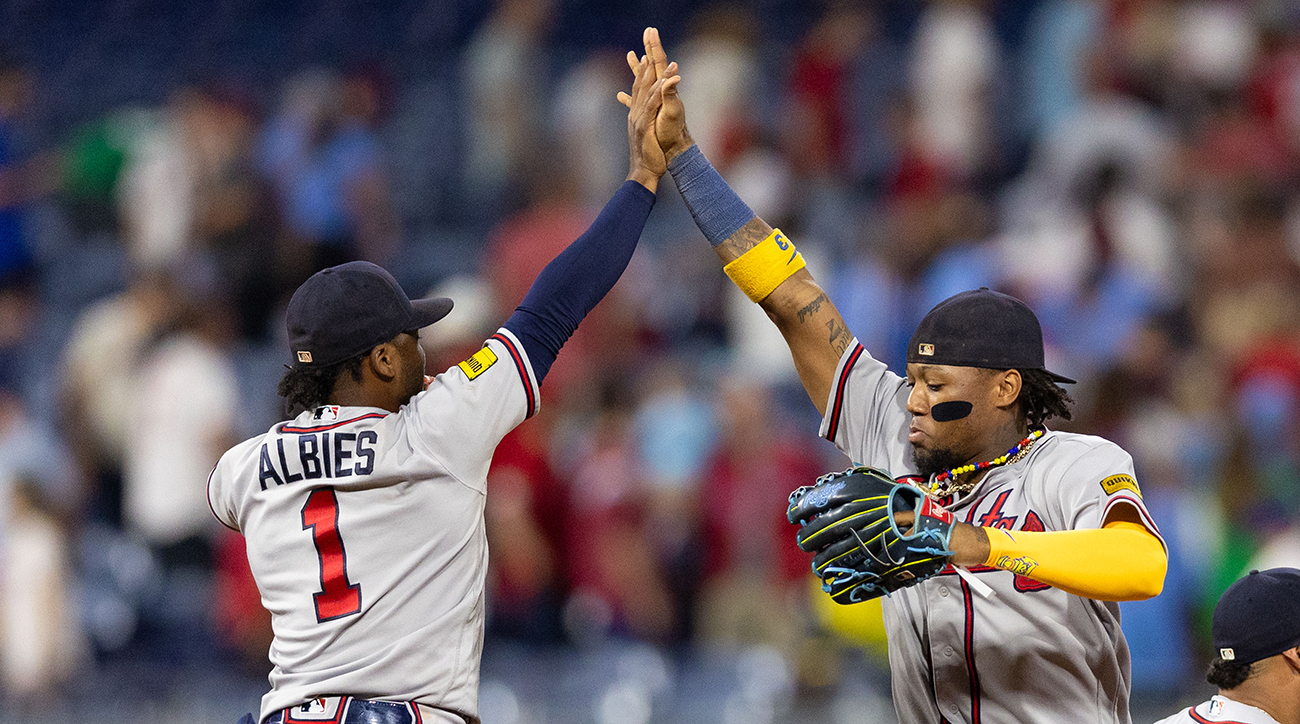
579, 277
717, 210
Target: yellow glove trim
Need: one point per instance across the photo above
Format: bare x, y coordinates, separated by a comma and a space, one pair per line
1120, 562
759, 271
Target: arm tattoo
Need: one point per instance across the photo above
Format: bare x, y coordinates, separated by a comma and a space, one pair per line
746, 237
812, 307
840, 336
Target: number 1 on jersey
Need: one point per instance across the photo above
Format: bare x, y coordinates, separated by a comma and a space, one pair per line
337, 597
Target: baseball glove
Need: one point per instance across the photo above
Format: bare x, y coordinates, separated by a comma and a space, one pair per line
849, 520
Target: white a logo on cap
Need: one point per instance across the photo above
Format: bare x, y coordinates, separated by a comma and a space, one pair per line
304, 356
1227, 654
926, 350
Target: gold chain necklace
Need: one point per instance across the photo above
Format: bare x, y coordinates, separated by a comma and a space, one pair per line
943, 485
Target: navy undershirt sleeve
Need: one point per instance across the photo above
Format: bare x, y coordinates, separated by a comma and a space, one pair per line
579, 277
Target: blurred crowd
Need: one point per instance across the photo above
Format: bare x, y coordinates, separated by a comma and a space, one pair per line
1130, 168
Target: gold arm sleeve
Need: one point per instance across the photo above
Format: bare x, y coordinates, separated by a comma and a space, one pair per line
1120, 562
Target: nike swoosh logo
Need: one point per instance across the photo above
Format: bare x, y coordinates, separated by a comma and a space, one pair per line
792, 256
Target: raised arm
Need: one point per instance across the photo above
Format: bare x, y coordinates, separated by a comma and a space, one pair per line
580, 276
809, 321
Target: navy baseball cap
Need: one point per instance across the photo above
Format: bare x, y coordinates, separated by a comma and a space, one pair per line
981, 328
1258, 616
348, 309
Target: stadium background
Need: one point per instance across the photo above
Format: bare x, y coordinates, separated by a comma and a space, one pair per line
169, 171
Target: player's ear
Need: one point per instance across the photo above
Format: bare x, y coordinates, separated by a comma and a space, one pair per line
1007, 389
1292, 658
384, 361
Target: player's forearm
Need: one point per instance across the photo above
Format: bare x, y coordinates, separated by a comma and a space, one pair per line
580, 276
765, 265
1121, 562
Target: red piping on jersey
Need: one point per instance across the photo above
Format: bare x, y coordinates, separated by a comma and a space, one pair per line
323, 428
970, 635
208, 494
415, 709
523, 371
970, 654
1146, 517
838, 407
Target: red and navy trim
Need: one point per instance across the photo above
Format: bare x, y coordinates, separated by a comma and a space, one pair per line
837, 408
529, 389
969, 603
970, 653
211, 507
323, 428
1142, 512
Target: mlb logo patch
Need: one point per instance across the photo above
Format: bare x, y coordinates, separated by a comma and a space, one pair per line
1216, 707
329, 413
304, 356
320, 709
925, 350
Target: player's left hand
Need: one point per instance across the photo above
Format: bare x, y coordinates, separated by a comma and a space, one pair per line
872, 535
646, 161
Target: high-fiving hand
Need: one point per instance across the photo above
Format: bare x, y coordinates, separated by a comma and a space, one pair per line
670, 122
646, 162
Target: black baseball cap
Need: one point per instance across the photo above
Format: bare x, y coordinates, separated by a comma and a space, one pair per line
345, 310
1258, 616
981, 328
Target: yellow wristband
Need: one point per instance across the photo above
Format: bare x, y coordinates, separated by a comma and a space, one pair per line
759, 271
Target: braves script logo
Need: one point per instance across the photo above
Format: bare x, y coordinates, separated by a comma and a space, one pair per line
823, 496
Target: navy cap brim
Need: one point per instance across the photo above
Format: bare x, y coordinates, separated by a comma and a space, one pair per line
1061, 378
428, 311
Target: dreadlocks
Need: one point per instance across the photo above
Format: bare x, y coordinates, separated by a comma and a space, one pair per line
304, 388
1042, 399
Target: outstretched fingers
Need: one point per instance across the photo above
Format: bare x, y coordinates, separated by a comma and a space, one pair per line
639, 68
654, 50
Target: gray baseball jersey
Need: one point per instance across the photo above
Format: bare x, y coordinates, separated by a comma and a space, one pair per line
1030, 652
1220, 709
365, 534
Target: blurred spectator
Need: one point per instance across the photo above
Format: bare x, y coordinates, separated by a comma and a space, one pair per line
322, 154
820, 96
31, 453
590, 131
22, 178
158, 186
505, 67
234, 218
618, 584
674, 430
181, 419
527, 512
98, 388
753, 580
955, 59
44, 645
93, 161
723, 66
1057, 44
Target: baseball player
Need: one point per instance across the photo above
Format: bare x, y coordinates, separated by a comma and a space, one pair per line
1051, 525
1256, 632
363, 515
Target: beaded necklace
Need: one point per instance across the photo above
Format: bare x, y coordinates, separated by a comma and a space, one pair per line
942, 485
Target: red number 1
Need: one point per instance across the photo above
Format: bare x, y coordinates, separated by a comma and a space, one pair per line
337, 597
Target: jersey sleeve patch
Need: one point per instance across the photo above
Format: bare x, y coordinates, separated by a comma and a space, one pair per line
1116, 483
478, 363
